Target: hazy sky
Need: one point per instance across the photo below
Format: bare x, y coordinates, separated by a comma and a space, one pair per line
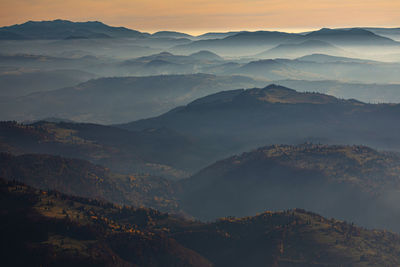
196, 16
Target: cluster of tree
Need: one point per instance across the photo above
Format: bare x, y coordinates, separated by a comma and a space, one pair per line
42, 228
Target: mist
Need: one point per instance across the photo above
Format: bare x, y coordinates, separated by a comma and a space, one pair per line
159, 142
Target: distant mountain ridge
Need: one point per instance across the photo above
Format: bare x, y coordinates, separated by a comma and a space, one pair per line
368, 93
299, 49
150, 151
252, 43
323, 58
120, 99
352, 36
171, 34
64, 29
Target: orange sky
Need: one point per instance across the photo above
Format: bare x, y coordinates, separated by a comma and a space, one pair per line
197, 16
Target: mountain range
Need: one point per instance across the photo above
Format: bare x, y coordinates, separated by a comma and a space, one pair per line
55, 229
354, 183
64, 29
369, 93
239, 120
242, 148
34, 86
119, 99
348, 37
301, 49
221, 43
19, 81
183, 141
248, 42
82, 178
153, 151
217, 126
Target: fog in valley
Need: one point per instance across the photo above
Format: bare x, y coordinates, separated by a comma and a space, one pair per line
205, 128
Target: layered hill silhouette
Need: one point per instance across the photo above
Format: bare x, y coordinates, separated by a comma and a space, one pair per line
122, 42
392, 33
322, 67
120, 99
354, 183
49, 73
64, 29
191, 137
215, 35
47, 227
18, 81
348, 37
206, 55
171, 34
301, 49
244, 42
270, 69
239, 43
167, 63
153, 151
124, 148
45, 62
323, 58
81, 178
369, 93
239, 120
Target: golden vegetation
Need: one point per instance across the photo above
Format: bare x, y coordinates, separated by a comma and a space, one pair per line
86, 231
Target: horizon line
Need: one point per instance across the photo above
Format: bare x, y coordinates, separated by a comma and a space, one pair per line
196, 33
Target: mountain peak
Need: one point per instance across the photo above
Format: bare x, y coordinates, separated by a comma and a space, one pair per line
171, 34
273, 93
277, 87
205, 54
279, 94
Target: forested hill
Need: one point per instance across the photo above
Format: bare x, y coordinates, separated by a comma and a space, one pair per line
355, 183
238, 120
53, 229
82, 178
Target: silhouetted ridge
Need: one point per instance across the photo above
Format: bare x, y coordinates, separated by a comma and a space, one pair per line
350, 36
352, 31
64, 29
261, 35
171, 34
323, 58
263, 62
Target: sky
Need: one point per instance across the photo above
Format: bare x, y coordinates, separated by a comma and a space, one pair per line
199, 16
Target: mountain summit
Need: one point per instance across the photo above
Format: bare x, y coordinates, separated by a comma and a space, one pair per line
279, 94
